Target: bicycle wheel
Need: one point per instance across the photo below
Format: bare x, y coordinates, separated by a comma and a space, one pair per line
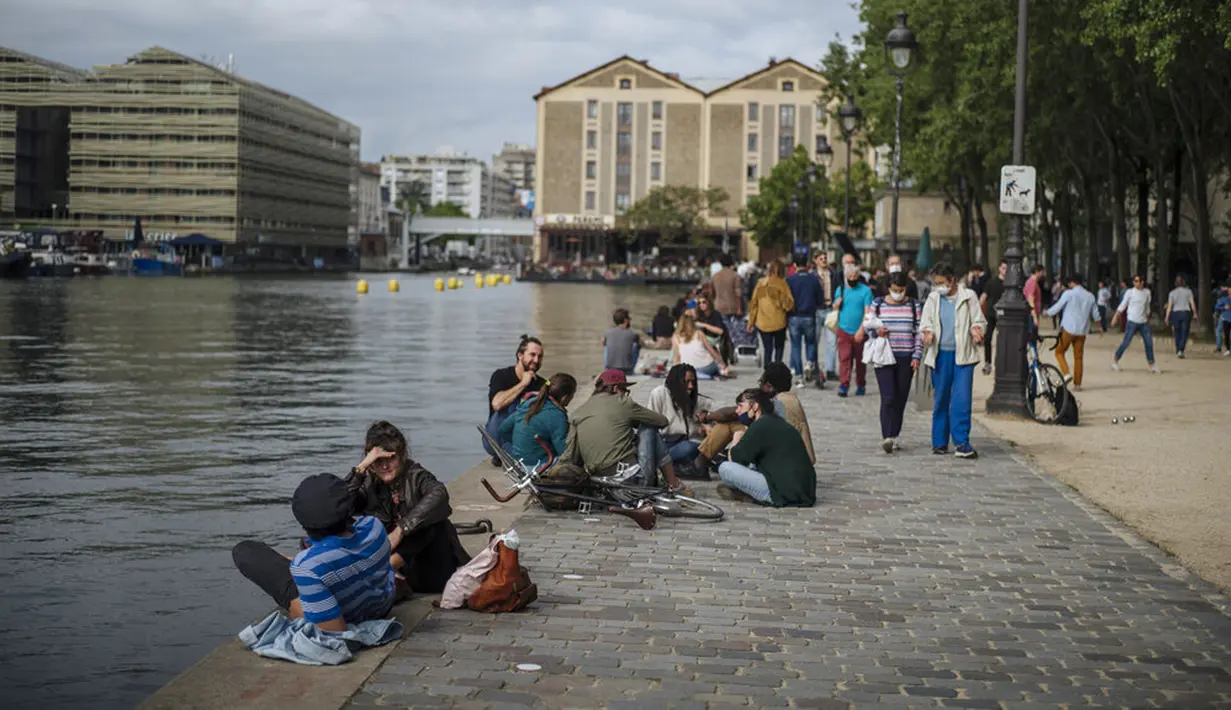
673, 505
1045, 393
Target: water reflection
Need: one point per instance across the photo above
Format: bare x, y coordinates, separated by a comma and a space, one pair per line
147, 425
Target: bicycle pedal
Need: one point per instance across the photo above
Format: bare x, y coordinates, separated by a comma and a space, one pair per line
585, 507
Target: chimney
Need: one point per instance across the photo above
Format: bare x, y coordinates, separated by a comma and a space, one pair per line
644, 61
773, 61
673, 75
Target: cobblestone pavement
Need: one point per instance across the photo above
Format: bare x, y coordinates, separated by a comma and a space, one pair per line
917, 581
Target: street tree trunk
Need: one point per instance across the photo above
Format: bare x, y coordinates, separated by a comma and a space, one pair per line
1119, 215
1092, 225
1162, 236
1199, 191
1068, 254
982, 223
963, 196
1049, 229
1143, 226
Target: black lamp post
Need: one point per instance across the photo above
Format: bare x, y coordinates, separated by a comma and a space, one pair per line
824, 155
793, 209
900, 48
849, 116
1012, 312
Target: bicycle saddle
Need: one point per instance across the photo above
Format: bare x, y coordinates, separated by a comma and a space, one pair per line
643, 516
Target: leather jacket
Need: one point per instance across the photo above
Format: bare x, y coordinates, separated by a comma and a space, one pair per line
416, 500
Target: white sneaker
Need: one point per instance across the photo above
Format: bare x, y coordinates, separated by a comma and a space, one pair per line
896, 445
1155, 370
1227, 353
1115, 366
887, 445
987, 368
1180, 354
1068, 379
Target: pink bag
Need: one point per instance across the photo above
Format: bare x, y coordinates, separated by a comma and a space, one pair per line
466, 580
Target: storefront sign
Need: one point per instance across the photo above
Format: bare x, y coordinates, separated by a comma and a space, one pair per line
592, 221
153, 236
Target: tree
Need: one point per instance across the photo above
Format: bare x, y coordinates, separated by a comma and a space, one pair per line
768, 215
412, 199
445, 209
675, 212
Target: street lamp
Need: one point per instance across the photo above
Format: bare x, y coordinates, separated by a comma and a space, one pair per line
793, 208
1009, 393
849, 117
900, 48
824, 154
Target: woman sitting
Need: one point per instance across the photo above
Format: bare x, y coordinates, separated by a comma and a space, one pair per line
662, 329
542, 418
678, 400
690, 347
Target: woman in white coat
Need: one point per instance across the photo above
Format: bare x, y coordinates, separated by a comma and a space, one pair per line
952, 328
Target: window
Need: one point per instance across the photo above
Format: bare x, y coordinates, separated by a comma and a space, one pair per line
621, 201
786, 116
754, 111
656, 170
624, 170
591, 109
591, 169
752, 142
656, 110
656, 140
591, 140
786, 145
752, 171
820, 141
626, 83
788, 85
624, 114
624, 143
589, 199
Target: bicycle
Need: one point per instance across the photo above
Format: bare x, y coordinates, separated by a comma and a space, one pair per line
1046, 390
613, 493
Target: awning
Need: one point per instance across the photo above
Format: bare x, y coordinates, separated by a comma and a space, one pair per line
196, 240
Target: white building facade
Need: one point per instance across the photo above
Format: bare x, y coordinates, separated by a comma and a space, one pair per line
447, 176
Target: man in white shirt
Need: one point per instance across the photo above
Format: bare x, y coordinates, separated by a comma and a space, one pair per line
1181, 305
1104, 300
1136, 308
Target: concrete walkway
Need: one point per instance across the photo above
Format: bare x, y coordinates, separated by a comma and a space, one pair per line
917, 581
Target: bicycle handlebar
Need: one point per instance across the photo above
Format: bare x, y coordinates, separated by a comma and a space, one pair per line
497, 496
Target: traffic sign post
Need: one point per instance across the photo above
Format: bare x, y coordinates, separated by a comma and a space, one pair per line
1017, 188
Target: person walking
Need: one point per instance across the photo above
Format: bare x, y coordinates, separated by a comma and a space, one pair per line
952, 328
1104, 299
1224, 319
806, 292
852, 299
728, 293
1077, 308
828, 277
767, 311
1135, 309
1181, 305
899, 315
1057, 288
992, 292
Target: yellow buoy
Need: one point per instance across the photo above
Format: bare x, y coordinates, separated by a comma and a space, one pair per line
361, 287
394, 286
453, 283
478, 280
493, 280
508, 279
440, 284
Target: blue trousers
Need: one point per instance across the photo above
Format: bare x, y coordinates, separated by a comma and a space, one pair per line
652, 454
952, 385
803, 342
831, 342
1181, 325
493, 428
1147, 337
683, 451
748, 480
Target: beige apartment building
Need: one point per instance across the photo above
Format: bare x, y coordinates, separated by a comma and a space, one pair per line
184, 146
608, 136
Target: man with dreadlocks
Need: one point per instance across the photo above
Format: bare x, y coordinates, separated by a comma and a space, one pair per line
679, 401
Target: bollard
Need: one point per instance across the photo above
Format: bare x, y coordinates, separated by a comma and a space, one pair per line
361, 287
394, 286
440, 284
478, 280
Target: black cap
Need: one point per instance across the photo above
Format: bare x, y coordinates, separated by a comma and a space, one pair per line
321, 502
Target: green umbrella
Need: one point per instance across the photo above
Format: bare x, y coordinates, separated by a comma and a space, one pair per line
923, 260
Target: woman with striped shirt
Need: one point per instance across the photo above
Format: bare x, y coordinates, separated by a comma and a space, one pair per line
899, 316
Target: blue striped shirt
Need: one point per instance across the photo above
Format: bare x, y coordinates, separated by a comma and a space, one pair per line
348, 577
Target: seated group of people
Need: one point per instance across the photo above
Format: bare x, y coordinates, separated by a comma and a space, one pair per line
371, 539
696, 335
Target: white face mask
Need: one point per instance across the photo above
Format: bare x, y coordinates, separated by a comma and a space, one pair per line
896, 297
851, 270
895, 268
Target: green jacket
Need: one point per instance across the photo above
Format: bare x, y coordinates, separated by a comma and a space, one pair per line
603, 431
777, 450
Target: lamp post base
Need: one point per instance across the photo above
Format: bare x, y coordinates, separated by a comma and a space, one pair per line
1009, 395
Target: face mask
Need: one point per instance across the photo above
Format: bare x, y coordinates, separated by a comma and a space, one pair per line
745, 418
851, 270
895, 268
896, 297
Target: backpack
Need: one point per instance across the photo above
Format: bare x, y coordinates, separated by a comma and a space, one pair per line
1068, 408
507, 587
568, 476
914, 315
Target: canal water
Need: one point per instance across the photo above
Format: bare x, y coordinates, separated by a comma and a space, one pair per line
147, 425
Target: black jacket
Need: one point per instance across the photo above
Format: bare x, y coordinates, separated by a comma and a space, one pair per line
415, 502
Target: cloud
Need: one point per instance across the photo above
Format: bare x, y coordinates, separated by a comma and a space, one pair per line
418, 74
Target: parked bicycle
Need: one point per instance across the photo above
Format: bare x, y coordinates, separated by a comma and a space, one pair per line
1046, 391
617, 493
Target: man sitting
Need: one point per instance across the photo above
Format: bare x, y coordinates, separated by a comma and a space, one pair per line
768, 461
405, 497
678, 400
343, 577
621, 344
611, 429
721, 426
509, 385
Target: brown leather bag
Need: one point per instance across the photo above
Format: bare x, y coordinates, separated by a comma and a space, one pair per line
507, 587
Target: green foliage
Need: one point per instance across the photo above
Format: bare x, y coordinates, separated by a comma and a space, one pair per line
675, 212
768, 215
445, 209
413, 198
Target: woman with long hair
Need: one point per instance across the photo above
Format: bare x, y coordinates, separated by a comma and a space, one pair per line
768, 309
542, 418
690, 346
900, 316
678, 400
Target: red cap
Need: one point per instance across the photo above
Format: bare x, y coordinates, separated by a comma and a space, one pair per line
614, 377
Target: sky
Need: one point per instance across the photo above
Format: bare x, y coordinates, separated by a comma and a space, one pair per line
416, 75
